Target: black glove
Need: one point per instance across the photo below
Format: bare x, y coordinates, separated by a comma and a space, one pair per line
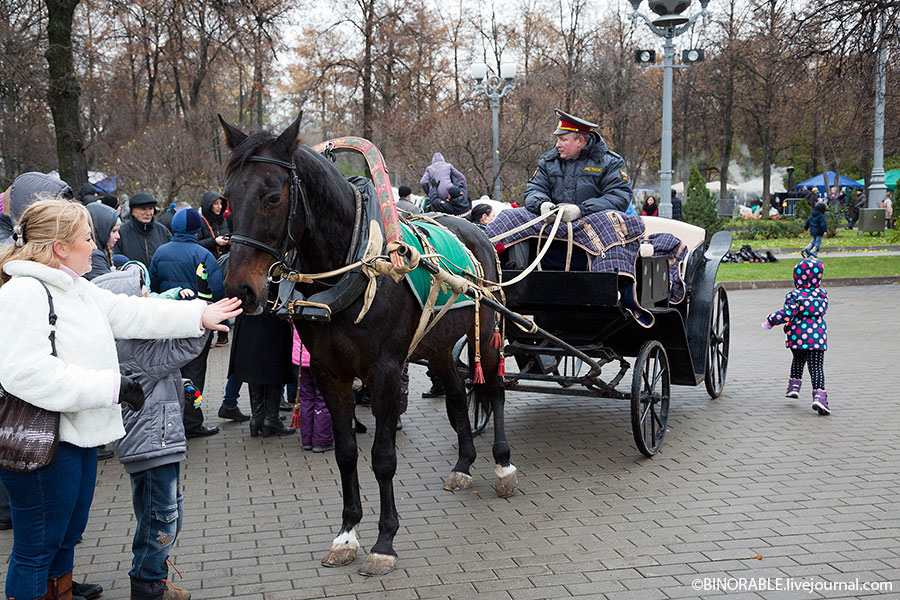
131, 394
203, 290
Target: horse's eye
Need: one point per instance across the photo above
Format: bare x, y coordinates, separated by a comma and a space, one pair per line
273, 199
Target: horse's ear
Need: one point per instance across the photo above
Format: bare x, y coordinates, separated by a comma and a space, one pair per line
289, 138
233, 135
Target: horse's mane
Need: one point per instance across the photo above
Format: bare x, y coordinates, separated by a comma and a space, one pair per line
314, 168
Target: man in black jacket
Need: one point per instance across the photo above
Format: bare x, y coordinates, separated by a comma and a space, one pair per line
140, 235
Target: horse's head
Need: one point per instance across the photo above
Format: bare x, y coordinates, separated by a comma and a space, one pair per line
268, 207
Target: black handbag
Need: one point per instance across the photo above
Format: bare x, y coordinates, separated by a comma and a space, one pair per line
29, 436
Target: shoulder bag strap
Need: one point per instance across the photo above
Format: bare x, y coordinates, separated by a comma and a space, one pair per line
52, 319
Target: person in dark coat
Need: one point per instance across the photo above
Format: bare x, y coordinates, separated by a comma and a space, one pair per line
140, 235
817, 226
676, 207
438, 178
404, 200
178, 264
580, 170
106, 234
261, 349
456, 203
213, 235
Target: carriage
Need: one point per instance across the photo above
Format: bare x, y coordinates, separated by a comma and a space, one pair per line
581, 325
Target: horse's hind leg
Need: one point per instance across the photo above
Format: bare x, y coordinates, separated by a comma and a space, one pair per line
339, 399
460, 477
386, 407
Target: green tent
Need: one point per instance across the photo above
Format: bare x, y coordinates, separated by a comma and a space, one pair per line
890, 179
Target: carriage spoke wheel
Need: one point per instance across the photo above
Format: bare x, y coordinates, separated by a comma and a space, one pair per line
478, 415
650, 385
717, 348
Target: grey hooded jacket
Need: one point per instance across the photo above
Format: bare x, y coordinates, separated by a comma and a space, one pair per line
25, 189
597, 180
154, 435
104, 219
439, 176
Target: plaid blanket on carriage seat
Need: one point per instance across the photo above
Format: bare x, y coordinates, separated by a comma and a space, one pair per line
610, 238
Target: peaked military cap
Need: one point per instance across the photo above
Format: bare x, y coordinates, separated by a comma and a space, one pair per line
571, 124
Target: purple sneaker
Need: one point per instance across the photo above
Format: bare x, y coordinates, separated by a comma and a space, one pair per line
820, 402
793, 390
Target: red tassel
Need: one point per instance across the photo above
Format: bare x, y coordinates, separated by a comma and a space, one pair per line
295, 419
501, 368
495, 340
479, 373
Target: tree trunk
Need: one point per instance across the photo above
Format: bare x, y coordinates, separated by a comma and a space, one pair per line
63, 93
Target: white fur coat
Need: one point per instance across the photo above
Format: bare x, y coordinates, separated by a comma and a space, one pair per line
82, 382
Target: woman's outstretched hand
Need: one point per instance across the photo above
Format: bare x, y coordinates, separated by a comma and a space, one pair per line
215, 313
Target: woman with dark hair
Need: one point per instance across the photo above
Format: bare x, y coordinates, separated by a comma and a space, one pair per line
106, 234
214, 234
650, 208
482, 214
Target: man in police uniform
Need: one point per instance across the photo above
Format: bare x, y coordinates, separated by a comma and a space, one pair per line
580, 172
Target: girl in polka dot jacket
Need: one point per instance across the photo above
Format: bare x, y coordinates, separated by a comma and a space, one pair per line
804, 326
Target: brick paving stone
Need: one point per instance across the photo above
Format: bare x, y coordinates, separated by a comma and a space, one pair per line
749, 473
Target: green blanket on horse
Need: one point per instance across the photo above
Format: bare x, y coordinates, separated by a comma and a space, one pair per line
454, 259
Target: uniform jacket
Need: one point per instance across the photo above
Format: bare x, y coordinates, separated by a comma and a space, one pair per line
804, 309
445, 175
596, 180
82, 381
215, 224
139, 241
816, 222
175, 263
154, 435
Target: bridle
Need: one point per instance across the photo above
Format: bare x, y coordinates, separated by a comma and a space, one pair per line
296, 190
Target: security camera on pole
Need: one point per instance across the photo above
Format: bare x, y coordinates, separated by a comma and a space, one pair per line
668, 25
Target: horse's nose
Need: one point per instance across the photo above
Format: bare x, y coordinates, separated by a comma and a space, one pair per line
245, 293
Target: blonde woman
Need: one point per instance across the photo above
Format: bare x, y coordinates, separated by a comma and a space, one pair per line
52, 249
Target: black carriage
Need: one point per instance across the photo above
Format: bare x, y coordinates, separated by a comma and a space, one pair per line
579, 325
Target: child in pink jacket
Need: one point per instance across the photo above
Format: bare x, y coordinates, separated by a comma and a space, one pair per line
315, 420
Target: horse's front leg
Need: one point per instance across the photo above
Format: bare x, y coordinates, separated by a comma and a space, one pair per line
339, 399
386, 408
460, 477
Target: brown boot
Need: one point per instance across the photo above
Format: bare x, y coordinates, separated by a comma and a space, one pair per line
59, 588
175, 593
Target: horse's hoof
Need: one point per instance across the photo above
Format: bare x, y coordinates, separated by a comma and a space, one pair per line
377, 564
343, 550
507, 480
458, 481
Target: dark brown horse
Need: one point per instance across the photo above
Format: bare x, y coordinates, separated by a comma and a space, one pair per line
317, 230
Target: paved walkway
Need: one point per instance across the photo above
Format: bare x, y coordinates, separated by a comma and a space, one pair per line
751, 485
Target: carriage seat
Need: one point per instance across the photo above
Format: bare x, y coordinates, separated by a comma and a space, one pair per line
690, 235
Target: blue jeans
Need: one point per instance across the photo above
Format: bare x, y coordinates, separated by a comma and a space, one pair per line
814, 245
50, 509
159, 508
232, 391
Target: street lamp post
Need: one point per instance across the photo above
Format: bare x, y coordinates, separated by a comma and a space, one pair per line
669, 25
495, 88
877, 188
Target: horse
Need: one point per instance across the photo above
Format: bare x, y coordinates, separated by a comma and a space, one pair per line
290, 203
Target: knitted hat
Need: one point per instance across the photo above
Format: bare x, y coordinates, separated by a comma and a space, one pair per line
403, 191
453, 192
187, 220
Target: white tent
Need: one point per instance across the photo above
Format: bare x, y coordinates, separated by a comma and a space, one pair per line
712, 186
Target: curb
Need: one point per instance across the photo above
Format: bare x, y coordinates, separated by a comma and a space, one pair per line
828, 282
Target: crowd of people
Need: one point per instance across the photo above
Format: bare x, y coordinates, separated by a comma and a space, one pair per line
140, 301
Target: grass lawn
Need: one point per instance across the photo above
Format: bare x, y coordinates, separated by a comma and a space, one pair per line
844, 237
853, 266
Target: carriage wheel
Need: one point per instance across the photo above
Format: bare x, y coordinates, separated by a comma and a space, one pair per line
717, 348
478, 417
650, 397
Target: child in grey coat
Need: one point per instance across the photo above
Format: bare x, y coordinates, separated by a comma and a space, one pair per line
154, 446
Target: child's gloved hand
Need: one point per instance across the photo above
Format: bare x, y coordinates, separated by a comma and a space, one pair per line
191, 394
131, 394
204, 292
766, 324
